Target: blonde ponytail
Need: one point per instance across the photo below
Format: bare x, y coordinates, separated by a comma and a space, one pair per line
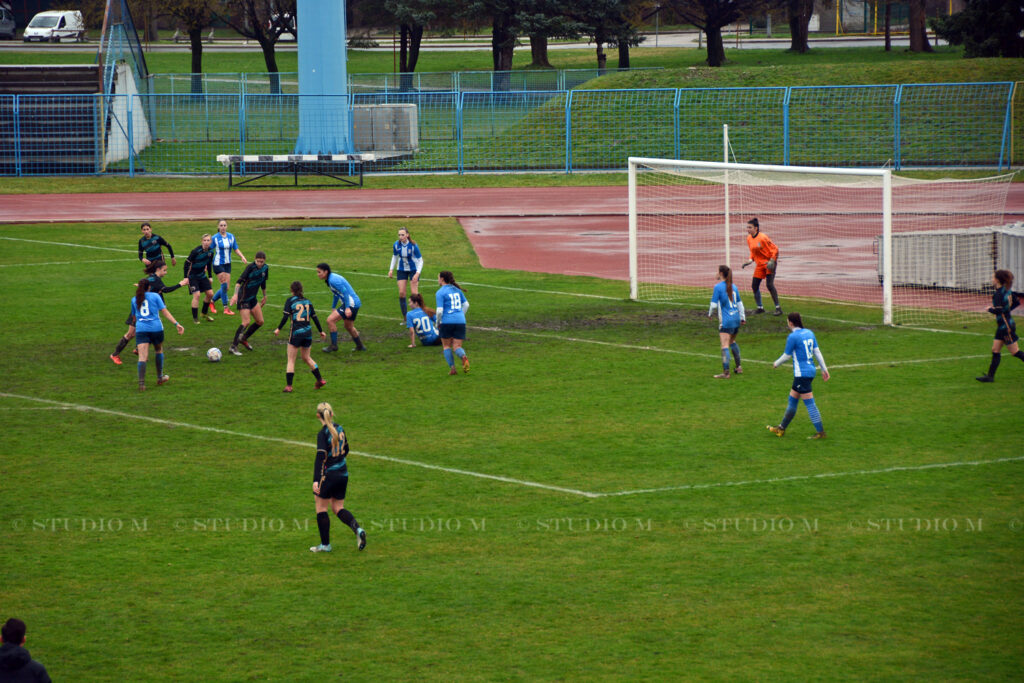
326, 415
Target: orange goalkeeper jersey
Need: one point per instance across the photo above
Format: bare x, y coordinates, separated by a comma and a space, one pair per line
762, 249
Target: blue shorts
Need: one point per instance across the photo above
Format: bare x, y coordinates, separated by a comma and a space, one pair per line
354, 309
802, 385
435, 342
405, 274
226, 268
452, 330
149, 337
729, 330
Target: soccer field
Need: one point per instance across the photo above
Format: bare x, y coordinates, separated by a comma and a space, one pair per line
586, 504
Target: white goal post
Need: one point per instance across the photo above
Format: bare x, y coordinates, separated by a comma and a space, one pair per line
922, 251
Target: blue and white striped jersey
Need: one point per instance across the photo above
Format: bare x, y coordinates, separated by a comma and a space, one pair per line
407, 257
223, 245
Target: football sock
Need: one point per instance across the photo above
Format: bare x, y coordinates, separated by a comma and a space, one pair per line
159, 365
334, 338
120, 346
195, 314
223, 295
142, 371
323, 524
216, 295
725, 360
770, 283
288, 377
812, 412
996, 357
206, 307
1019, 354
460, 352
316, 373
790, 412
238, 335
359, 343
449, 358
349, 519
757, 294
401, 302
735, 348
252, 330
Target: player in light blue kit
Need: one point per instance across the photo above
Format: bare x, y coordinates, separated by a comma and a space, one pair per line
146, 307
726, 298
452, 305
348, 310
420, 322
405, 254
223, 244
802, 347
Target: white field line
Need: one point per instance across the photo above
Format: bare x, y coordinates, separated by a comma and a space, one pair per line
64, 263
69, 244
291, 442
807, 477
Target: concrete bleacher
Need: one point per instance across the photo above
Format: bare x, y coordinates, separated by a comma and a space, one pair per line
55, 128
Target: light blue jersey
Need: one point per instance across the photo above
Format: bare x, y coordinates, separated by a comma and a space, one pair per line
801, 344
147, 316
730, 313
407, 257
451, 303
425, 328
222, 248
342, 290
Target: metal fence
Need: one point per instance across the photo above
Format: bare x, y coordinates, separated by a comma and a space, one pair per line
934, 125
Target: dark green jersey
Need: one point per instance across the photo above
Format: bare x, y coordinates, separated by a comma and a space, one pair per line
251, 280
150, 248
199, 261
157, 285
300, 311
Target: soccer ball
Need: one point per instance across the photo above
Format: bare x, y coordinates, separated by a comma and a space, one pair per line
213, 354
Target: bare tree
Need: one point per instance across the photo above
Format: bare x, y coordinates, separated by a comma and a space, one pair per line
194, 16
263, 21
918, 31
711, 15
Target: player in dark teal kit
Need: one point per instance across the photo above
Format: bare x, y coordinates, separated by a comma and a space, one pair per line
1003, 303
330, 480
301, 312
149, 247
247, 291
199, 270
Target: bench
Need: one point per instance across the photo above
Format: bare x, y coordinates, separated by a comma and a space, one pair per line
264, 165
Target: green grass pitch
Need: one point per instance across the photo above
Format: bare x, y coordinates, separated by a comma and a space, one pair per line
586, 504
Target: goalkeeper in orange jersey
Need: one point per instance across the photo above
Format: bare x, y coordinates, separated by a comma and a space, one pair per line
765, 254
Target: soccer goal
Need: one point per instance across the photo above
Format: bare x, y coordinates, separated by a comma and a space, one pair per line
922, 251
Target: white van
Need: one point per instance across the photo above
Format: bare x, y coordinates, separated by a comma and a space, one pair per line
55, 26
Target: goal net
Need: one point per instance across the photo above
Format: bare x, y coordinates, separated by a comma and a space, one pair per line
921, 251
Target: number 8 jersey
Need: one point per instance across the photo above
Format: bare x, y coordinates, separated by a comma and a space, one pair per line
801, 345
147, 316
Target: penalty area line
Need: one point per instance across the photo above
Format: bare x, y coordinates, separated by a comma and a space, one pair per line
292, 442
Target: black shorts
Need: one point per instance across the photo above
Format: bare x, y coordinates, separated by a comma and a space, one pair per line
334, 486
248, 304
199, 284
405, 274
226, 268
1007, 335
149, 337
131, 320
302, 341
729, 330
802, 385
452, 330
354, 309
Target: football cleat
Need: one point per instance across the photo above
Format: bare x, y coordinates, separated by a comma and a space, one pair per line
246, 344
985, 378
164, 379
233, 350
135, 350
759, 311
362, 539
228, 311
209, 318
722, 375
465, 364
777, 430
738, 370
287, 390
778, 311
331, 349
115, 358
213, 309
452, 371
319, 383
321, 548
819, 435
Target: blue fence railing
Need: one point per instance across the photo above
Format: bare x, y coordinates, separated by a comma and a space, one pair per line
917, 125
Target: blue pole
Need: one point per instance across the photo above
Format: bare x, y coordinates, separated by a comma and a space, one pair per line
17, 134
676, 133
568, 132
897, 161
785, 127
131, 138
459, 97
1006, 127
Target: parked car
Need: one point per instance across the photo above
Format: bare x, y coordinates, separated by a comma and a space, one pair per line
55, 26
6, 24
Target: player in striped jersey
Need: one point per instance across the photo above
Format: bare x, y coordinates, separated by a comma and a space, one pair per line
725, 297
406, 255
802, 347
1003, 303
223, 244
349, 309
301, 312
